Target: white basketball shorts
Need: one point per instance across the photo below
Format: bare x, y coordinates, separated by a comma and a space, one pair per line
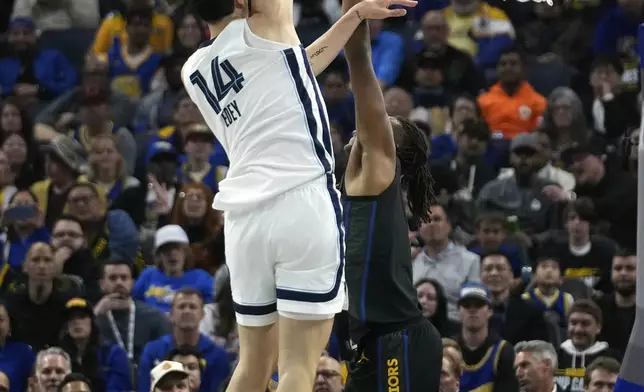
287, 256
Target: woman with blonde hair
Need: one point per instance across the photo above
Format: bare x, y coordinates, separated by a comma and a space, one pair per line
451, 370
107, 167
193, 213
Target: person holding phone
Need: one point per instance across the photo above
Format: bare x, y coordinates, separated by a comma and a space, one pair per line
25, 226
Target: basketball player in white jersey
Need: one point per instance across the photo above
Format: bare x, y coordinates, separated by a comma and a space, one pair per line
255, 86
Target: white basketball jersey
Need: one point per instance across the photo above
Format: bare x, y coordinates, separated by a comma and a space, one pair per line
261, 100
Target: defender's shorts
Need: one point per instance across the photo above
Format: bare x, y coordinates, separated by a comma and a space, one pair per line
409, 360
287, 256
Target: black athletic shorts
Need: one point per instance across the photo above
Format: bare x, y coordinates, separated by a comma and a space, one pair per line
408, 360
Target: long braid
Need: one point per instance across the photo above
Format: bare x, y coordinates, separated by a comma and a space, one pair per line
413, 155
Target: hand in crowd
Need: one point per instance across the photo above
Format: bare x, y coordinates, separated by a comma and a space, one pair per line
109, 302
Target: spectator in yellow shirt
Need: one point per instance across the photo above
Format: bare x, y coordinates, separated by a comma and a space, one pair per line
114, 25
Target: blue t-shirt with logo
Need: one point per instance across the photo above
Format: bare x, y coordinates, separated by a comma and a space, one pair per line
157, 289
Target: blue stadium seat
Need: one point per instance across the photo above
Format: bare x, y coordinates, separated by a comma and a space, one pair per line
73, 43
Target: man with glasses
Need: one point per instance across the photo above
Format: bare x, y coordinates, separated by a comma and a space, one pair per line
329, 376
108, 233
489, 360
73, 256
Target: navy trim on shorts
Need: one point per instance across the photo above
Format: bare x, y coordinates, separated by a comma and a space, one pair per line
367, 263
321, 149
255, 310
406, 360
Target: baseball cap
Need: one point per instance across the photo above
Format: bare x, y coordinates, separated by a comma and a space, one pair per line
79, 305
69, 152
22, 22
163, 369
170, 234
474, 290
526, 141
160, 148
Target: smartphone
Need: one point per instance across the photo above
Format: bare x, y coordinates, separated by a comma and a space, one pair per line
17, 213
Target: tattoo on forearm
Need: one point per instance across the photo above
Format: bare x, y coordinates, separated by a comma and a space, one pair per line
318, 52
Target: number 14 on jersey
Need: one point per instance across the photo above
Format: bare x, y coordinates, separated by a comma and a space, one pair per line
230, 113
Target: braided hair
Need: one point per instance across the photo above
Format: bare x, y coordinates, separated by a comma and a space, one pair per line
412, 150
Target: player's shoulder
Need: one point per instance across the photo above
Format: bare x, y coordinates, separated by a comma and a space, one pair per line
191, 63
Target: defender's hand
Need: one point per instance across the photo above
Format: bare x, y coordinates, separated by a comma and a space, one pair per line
379, 9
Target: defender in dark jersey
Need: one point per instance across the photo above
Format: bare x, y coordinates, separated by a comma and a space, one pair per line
398, 349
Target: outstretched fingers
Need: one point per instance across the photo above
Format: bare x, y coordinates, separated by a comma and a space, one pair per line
404, 3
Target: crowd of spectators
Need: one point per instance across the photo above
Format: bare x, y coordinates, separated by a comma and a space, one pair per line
107, 174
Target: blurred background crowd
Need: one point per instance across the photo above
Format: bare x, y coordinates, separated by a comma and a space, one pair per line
112, 259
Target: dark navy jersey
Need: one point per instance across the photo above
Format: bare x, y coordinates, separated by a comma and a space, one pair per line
378, 261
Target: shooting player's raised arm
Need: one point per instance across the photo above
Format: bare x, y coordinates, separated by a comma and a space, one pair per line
373, 126
322, 52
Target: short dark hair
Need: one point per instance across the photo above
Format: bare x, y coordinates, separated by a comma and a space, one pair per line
625, 252
477, 129
116, 262
413, 154
213, 11
514, 49
484, 256
467, 97
589, 307
139, 10
497, 217
184, 351
544, 258
583, 207
74, 377
70, 218
188, 292
610, 365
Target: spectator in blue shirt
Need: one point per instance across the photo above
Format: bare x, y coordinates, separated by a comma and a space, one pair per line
26, 227
30, 74
16, 359
185, 316
388, 53
157, 285
616, 33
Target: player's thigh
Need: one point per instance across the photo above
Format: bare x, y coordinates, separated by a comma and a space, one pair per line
250, 262
309, 271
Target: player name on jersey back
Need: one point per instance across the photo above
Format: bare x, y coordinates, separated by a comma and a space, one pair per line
262, 102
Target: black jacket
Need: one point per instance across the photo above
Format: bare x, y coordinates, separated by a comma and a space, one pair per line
523, 322
39, 325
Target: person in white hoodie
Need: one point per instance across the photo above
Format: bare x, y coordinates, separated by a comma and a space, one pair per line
582, 347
